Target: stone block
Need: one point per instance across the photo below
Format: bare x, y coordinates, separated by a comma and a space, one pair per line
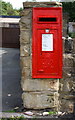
25, 37
63, 45
40, 84
68, 60
25, 72
40, 4
67, 106
74, 45
67, 72
74, 60
22, 27
40, 100
27, 13
73, 72
25, 23
25, 62
68, 45
24, 50
66, 86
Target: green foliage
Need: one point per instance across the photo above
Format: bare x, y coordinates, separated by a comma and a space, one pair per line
15, 118
72, 34
0, 7
7, 9
69, 7
10, 111
52, 113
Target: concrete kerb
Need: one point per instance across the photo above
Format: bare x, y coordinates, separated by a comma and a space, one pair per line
26, 117
17, 115
13, 115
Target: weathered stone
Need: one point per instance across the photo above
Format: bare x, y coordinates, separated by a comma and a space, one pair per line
68, 45
41, 4
40, 100
65, 21
24, 50
74, 61
67, 106
25, 72
66, 86
25, 37
74, 45
69, 97
67, 72
22, 27
25, 62
63, 45
40, 84
68, 60
27, 13
25, 22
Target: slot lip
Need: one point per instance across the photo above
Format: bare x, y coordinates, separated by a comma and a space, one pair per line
46, 22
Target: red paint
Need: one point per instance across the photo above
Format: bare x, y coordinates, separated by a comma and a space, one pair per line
47, 64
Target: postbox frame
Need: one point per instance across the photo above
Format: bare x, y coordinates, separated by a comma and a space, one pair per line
36, 25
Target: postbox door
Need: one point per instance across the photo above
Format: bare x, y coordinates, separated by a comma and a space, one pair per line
48, 54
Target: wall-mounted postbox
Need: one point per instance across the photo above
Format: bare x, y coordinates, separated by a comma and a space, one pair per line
47, 42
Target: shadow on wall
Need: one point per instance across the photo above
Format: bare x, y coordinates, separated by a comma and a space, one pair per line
11, 95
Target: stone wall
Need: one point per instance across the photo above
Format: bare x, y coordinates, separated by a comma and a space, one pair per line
67, 83
45, 93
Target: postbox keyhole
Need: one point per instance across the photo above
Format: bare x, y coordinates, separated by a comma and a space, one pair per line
47, 30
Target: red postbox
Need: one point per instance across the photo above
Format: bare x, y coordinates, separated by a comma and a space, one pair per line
47, 42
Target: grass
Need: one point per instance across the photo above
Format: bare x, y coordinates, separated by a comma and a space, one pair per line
10, 111
22, 117
18, 118
52, 113
15, 118
72, 34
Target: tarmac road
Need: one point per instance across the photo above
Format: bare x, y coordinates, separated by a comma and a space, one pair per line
11, 88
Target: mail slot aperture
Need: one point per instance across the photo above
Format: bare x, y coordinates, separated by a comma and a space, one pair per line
47, 19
